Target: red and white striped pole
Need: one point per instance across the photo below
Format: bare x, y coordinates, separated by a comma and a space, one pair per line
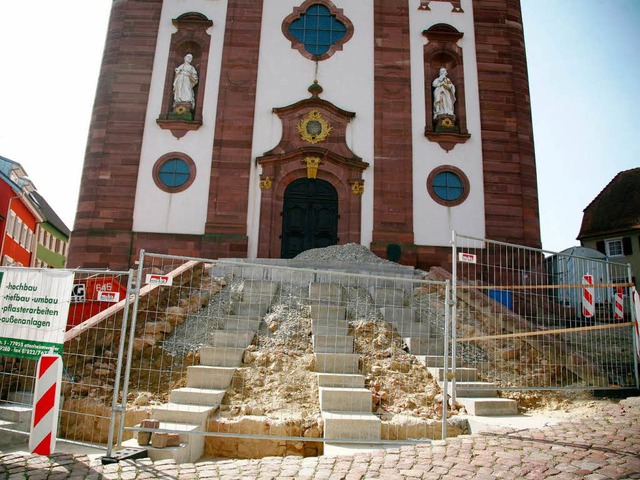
587, 296
44, 419
635, 315
618, 305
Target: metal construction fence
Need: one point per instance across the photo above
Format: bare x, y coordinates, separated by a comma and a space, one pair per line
97, 318
275, 359
531, 319
249, 358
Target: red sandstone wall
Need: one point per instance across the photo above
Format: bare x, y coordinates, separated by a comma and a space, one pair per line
511, 195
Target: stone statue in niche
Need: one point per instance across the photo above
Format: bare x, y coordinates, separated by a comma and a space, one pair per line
444, 99
186, 78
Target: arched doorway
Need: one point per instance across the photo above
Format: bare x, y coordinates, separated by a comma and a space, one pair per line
309, 216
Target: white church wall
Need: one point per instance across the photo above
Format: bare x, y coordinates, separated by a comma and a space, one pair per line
283, 78
184, 212
433, 222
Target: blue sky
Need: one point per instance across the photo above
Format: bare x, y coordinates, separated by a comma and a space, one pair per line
584, 70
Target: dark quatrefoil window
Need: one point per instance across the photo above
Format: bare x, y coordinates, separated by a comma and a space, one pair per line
317, 29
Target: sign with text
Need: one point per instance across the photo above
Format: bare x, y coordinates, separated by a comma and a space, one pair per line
34, 305
466, 257
154, 279
112, 297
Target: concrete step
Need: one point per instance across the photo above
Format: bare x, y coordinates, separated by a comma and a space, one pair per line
16, 413
332, 344
433, 360
476, 389
462, 374
328, 314
197, 396
182, 413
236, 339
191, 446
21, 397
489, 406
425, 346
340, 399
11, 438
351, 426
387, 297
204, 376
325, 292
254, 311
221, 356
340, 380
337, 362
263, 289
329, 330
413, 329
398, 314
233, 323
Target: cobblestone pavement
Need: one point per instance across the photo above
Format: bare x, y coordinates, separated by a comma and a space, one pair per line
604, 444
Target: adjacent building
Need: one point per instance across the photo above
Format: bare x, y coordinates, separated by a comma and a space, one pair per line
33, 235
611, 222
263, 128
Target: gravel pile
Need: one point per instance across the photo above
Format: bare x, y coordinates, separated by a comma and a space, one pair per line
351, 252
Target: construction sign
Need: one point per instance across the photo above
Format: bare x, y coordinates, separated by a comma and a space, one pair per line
34, 304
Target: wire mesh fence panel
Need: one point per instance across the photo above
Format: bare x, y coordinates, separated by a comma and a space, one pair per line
89, 336
240, 359
530, 319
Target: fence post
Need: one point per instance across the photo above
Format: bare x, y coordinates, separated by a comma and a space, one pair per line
132, 331
115, 409
445, 366
454, 302
636, 322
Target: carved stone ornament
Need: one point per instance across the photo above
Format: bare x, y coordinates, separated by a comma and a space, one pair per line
312, 166
357, 188
314, 128
265, 183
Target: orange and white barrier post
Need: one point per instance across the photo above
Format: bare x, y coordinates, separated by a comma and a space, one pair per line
44, 419
587, 296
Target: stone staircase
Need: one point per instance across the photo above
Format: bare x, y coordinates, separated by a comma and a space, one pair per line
478, 398
15, 418
190, 407
345, 403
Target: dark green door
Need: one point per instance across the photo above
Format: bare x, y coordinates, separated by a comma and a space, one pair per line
309, 216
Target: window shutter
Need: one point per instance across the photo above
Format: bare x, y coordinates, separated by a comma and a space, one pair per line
626, 246
600, 246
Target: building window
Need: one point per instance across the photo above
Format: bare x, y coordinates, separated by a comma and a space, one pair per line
317, 29
614, 248
174, 172
448, 185
11, 223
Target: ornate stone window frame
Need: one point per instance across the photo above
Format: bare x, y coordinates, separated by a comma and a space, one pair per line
466, 187
164, 159
191, 37
298, 45
442, 50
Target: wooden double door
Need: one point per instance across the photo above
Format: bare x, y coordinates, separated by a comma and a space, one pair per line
309, 216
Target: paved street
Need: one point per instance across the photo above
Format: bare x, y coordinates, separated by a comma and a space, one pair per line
604, 444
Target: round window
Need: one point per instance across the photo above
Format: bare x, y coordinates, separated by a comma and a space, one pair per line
448, 185
174, 172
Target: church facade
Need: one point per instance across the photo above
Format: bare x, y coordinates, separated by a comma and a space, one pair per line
244, 128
